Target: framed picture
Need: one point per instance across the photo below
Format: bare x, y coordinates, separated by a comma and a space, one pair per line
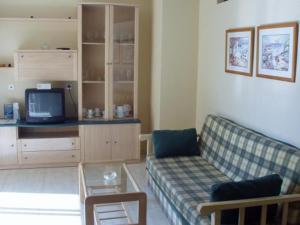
277, 51
239, 51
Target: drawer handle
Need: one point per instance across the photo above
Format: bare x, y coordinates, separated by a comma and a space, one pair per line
12, 145
115, 142
70, 56
22, 56
73, 143
107, 142
73, 156
25, 157
25, 145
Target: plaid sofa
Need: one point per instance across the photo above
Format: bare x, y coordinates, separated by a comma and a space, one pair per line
228, 152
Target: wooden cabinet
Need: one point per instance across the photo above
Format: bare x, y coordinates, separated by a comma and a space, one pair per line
50, 144
50, 157
111, 142
125, 142
49, 150
8, 146
97, 143
108, 60
46, 65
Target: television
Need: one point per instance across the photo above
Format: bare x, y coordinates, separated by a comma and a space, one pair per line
45, 106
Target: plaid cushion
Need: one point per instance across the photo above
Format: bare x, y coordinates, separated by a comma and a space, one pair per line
173, 215
243, 154
186, 182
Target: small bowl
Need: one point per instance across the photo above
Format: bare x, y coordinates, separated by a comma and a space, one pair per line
110, 175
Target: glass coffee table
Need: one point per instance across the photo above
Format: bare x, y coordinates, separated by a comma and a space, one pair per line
110, 196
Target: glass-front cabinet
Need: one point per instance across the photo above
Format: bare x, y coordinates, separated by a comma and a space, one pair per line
108, 61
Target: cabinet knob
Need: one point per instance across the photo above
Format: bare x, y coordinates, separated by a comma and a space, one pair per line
25, 157
73, 143
70, 56
73, 156
22, 56
115, 142
107, 142
25, 145
12, 145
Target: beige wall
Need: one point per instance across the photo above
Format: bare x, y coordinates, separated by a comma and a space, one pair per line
174, 63
32, 35
269, 106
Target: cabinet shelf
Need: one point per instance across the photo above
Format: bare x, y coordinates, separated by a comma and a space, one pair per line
4, 69
27, 19
93, 82
124, 44
124, 82
93, 43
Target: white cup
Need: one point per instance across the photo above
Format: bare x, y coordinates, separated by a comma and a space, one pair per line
97, 112
127, 109
90, 113
120, 112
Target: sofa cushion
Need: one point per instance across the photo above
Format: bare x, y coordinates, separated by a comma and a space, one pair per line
186, 182
244, 154
172, 143
262, 187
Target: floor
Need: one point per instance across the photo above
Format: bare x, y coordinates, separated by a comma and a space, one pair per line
50, 196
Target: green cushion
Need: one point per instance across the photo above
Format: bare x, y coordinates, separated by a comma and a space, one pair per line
172, 143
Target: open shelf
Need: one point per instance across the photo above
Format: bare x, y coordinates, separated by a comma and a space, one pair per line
55, 132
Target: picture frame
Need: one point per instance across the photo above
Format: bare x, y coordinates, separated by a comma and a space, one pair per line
239, 51
277, 46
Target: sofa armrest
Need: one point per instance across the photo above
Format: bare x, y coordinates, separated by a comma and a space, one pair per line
215, 208
148, 139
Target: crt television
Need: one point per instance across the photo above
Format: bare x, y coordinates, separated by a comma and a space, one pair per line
45, 106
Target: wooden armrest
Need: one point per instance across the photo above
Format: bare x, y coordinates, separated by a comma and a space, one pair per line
207, 208
148, 138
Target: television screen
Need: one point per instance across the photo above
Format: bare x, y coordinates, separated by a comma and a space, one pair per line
45, 105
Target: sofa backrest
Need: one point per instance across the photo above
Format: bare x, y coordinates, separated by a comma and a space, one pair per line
241, 153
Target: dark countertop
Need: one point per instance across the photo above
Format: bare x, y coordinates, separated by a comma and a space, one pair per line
70, 123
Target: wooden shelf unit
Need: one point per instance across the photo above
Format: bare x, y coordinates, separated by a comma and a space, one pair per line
108, 58
107, 77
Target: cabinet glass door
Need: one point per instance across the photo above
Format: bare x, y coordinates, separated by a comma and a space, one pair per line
123, 51
94, 61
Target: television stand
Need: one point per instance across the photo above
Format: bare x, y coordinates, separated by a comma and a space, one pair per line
45, 144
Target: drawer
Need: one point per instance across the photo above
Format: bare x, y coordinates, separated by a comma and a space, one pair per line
50, 157
50, 144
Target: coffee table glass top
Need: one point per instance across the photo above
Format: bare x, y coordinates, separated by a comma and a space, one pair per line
107, 179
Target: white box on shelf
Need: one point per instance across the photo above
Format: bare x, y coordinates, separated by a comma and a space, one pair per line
43, 86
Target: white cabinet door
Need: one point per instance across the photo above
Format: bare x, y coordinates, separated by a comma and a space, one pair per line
125, 141
8, 146
97, 143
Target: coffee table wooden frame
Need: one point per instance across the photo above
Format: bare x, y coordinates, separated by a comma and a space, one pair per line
90, 202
